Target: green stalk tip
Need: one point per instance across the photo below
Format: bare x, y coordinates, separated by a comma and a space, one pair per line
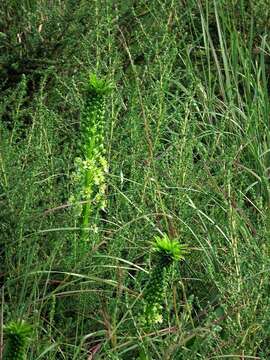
99, 86
18, 335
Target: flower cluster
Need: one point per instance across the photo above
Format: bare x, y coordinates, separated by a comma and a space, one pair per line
91, 167
94, 189
167, 252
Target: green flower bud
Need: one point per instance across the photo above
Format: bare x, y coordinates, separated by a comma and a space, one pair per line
17, 335
167, 251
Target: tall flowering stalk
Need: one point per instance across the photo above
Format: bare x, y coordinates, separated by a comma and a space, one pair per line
91, 166
18, 336
166, 253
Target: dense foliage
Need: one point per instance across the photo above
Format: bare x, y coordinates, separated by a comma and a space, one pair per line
182, 153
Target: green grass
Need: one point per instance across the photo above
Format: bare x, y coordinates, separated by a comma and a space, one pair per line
187, 143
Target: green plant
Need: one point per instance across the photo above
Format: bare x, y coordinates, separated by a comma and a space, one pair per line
91, 166
167, 252
188, 150
18, 336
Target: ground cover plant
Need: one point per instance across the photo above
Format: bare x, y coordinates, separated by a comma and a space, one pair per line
134, 134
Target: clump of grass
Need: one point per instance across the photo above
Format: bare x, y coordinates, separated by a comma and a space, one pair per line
18, 337
167, 252
91, 166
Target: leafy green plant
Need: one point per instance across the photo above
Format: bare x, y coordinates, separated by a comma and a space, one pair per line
167, 252
18, 336
91, 166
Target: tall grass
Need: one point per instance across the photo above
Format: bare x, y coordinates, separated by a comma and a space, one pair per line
187, 143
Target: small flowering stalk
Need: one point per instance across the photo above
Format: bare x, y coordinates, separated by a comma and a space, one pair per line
18, 337
91, 166
167, 252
